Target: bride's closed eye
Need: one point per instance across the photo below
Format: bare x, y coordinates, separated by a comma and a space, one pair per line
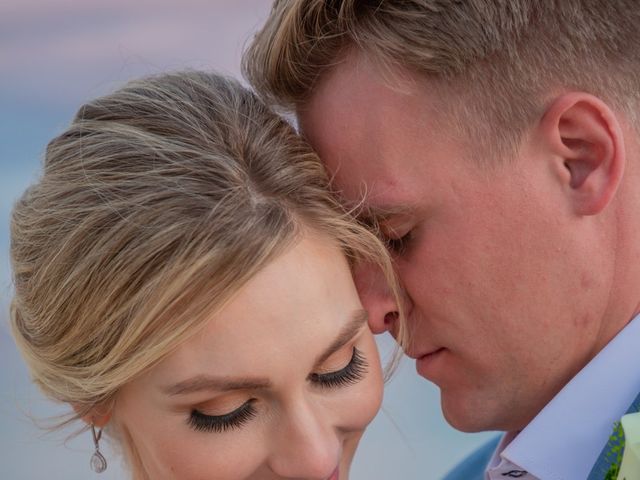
350, 374
201, 422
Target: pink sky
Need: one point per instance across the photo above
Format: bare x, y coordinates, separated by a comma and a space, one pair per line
64, 50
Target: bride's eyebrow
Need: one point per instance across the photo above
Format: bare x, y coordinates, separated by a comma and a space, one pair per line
358, 320
217, 384
199, 383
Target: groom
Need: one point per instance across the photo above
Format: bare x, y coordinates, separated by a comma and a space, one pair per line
495, 146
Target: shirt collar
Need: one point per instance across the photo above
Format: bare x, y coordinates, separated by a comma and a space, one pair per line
565, 439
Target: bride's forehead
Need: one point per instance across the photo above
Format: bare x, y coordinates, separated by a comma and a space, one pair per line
292, 309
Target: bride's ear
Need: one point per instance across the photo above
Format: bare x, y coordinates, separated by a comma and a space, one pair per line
97, 415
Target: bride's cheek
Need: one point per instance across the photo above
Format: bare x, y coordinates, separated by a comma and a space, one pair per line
364, 400
196, 456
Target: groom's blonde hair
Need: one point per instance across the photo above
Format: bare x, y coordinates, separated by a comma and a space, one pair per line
500, 59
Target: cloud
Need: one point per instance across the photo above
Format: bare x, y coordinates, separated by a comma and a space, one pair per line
63, 50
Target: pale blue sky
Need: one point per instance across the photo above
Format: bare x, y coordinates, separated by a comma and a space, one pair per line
54, 54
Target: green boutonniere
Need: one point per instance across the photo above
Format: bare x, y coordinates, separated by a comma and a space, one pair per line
625, 449
614, 455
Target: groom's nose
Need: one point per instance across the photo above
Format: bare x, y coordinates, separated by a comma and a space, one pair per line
377, 298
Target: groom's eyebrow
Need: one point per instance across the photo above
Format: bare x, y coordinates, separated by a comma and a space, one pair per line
358, 320
374, 214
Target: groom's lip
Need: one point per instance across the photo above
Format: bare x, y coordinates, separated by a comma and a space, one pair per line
418, 355
427, 365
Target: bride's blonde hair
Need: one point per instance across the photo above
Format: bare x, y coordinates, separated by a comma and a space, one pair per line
154, 207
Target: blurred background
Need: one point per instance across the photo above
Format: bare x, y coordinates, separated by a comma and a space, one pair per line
56, 54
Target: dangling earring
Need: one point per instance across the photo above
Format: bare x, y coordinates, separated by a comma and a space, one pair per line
98, 462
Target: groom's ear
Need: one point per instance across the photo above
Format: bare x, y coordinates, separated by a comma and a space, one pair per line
586, 146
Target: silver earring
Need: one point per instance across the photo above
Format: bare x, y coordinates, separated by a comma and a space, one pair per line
98, 462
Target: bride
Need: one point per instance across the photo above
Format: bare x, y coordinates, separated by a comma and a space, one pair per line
182, 282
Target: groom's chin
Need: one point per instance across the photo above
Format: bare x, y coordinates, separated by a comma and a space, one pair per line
462, 420
476, 412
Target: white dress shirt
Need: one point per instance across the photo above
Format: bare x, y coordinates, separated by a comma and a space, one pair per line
566, 438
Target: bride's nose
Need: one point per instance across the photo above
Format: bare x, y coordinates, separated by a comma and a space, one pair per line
305, 445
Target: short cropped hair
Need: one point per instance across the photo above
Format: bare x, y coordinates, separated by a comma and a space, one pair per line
502, 59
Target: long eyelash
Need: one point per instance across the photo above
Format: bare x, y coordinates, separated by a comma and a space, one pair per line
222, 423
355, 370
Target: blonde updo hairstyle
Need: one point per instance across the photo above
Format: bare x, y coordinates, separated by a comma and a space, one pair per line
154, 207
